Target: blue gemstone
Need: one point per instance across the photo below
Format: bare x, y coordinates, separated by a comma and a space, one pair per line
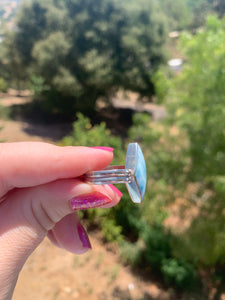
141, 175
135, 161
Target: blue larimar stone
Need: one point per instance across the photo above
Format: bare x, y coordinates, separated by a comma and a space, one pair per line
135, 161
141, 175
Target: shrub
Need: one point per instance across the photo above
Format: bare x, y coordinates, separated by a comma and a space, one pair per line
3, 85
84, 134
178, 273
131, 253
111, 231
38, 86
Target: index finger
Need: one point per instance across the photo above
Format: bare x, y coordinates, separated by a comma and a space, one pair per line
26, 164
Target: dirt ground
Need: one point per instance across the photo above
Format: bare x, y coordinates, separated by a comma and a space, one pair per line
51, 273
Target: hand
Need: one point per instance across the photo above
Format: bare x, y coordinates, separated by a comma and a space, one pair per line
40, 191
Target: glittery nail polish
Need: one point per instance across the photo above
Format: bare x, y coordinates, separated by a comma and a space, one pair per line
89, 201
83, 236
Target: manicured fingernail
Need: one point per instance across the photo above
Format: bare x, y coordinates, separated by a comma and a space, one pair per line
104, 148
89, 201
83, 236
116, 190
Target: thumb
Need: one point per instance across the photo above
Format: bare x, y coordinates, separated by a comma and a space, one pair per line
27, 215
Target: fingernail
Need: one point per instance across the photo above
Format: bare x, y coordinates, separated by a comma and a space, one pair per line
118, 192
104, 148
89, 201
83, 236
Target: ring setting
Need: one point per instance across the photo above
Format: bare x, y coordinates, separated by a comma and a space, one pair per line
133, 174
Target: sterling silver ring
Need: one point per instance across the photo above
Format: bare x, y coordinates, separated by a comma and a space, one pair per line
133, 174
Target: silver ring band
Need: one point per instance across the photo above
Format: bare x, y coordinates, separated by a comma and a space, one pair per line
110, 175
133, 174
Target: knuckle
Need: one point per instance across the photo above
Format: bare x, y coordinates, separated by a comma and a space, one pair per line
41, 216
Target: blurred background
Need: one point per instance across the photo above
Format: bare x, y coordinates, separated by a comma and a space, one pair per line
107, 73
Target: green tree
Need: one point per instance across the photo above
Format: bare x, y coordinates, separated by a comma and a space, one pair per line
198, 108
86, 49
11, 67
177, 12
202, 8
193, 163
201, 101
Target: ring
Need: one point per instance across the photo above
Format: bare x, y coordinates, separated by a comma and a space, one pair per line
133, 174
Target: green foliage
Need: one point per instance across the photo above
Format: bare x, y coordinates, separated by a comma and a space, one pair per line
157, 245
177, 12
181, 274
155, 251
209, 249
131, 253
192, 148
37, 85
4, 112
164, 148
11, 68
159, 255
202, 90
86, 49
162, 85
3, 85
197, 106
84, 134
200, 10
219, 184
111, 231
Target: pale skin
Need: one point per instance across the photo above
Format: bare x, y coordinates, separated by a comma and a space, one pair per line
37, 181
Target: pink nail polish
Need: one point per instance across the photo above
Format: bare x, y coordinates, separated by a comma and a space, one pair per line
83, 236
116, 190
104, 148
89, 201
